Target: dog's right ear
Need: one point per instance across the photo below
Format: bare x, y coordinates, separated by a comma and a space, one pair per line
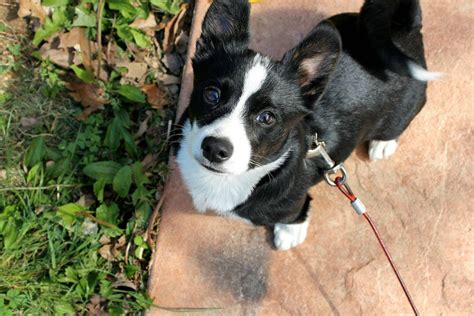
226, 26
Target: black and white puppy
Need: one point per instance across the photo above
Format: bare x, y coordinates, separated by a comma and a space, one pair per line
250, 121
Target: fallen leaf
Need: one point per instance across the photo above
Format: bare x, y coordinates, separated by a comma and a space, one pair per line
123, 282
86, 200
135, 70
143, 127
170, 79
61, 57
91, 96
3, 174
106, 252
156, 97
78, 40
104, 240
33, 8
173, 27
147, 25
94, 307
120, 242
149, 162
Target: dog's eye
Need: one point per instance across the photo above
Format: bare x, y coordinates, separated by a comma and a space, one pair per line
212, 95
266, 118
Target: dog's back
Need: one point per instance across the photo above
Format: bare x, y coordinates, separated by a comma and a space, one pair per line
379, 84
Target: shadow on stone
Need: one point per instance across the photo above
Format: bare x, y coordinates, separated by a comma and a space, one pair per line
238, 266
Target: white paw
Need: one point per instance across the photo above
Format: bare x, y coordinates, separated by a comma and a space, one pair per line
380, 149
287, 236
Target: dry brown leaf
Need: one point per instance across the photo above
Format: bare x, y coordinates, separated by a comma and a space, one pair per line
61, 57
91, 96
104, 240
147, 25
33, 8
120, 242
94, 307
78, 40
142, 128
135, 70
170, 79
155, 96
106, 252
122, 281
173, 27
149, 161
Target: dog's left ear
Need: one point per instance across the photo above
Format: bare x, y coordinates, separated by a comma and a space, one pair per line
315, 59
226, 26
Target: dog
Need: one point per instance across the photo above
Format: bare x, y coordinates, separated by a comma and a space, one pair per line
243, 140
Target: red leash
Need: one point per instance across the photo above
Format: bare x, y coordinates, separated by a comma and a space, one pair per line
360, 209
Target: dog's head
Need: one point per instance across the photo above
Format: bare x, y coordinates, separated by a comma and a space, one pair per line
244, 105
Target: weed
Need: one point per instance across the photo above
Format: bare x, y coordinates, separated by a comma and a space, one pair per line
75, 195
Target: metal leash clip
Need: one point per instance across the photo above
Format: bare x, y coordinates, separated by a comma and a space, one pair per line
318, 148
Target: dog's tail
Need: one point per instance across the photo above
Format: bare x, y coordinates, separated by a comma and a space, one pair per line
378, 19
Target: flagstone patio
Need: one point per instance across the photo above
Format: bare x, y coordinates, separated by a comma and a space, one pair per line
421, 199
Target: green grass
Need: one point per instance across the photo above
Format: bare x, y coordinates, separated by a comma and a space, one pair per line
75, 197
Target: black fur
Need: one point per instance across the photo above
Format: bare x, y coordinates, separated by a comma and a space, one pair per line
359, 90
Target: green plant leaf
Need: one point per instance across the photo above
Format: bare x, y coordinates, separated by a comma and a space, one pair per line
33, 172
123, 6
108, 213
168, 6
64, 308
83, 74
105, 170
59, 168
9, 233
132, 93
51, 26
142, 40
139, 176
113, 135
54, 3
124, 32
99, 186
68, 212
85, 18
122, 181
35, 152
130, 145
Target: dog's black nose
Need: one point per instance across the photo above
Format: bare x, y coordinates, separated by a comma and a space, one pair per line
216, 149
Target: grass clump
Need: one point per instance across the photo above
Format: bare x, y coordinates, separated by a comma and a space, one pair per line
75, 194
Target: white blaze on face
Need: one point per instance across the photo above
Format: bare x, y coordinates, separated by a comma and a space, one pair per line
232, 126
222, 192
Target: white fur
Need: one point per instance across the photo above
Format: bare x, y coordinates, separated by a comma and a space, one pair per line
421, 73
380, 149
232, 126
222, 192
287, 236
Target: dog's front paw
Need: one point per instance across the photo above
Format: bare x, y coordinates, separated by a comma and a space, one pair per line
381, 149
287, 236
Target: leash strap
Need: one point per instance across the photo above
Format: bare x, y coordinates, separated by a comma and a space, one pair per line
356, 204
317, 149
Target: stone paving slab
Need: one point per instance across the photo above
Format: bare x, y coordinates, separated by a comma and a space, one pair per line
421, 199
